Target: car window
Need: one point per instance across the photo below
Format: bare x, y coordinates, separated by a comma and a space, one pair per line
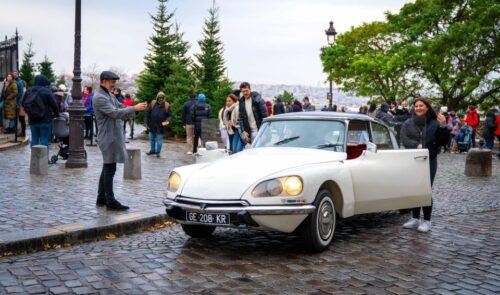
315, 134
357, 132
381, 137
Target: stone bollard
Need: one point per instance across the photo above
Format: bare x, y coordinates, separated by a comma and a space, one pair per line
211, 145
132, 168
478, 162
39, 160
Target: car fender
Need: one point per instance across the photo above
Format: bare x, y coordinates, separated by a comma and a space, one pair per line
334, 176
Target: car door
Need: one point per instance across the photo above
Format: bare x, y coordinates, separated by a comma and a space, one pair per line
389, 178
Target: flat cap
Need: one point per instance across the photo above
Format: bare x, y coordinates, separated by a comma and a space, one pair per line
108, 75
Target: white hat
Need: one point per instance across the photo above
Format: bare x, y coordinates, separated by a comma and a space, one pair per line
62, 87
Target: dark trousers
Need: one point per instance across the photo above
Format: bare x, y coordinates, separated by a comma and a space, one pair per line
433, 165
88, 126
22, 119
474, 138
231, 137
197, 136
105, 191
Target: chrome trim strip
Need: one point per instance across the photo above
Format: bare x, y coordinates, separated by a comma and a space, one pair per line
201, 201
253, 210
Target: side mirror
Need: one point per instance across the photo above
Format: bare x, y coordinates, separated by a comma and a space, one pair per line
371, 147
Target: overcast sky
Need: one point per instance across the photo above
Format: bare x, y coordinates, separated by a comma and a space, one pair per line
266, 41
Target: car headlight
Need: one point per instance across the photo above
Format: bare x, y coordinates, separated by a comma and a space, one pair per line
283, 186
174, 182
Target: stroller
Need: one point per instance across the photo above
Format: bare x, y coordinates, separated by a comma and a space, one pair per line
464, 138
60, 130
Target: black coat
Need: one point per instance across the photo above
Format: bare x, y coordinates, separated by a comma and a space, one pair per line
156, 115
279, 108
259, 110
51, 109
187, 111
489, 126
201, 110
427, 132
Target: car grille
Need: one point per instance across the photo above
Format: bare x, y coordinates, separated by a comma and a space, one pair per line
211, 203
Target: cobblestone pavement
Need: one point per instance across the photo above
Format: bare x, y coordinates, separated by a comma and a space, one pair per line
371, 254
67, 196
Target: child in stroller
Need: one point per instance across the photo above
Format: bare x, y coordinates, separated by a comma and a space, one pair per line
464, 138
60, 130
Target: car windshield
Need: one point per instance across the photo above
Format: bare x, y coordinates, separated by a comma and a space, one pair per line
313, 134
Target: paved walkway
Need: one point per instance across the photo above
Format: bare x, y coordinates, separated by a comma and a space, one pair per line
67, 196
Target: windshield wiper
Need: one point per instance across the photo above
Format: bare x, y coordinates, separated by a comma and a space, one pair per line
327, 145
286, 140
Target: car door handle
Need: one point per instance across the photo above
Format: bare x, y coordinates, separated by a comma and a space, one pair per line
421, 157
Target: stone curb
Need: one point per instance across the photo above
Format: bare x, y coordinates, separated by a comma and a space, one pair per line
48, 238
13, 145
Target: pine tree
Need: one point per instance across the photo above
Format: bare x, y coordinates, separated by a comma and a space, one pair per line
167, 66
45, 68
27, 71
210, 68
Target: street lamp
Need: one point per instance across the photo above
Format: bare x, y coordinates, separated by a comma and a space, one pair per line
330, 38
77, 156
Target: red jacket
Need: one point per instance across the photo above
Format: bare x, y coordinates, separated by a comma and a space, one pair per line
128, 103
497, 131
472, 119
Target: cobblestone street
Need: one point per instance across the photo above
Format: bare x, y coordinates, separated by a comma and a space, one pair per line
66, 196
371, 254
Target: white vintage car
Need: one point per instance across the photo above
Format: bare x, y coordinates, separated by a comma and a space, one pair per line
303, 171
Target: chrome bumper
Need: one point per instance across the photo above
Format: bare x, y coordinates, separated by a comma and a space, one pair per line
212, 207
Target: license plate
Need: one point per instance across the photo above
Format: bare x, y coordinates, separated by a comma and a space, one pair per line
208, 218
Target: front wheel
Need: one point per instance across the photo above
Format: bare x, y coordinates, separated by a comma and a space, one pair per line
198, 231
319, 227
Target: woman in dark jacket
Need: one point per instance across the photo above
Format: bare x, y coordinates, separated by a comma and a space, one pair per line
158, 116
424, 130
201, 110
489, 129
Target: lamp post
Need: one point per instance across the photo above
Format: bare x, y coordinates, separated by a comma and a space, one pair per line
77, 156
330, 38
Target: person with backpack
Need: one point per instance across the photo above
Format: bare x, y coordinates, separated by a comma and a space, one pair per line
187, 123
472, 119
158, 116
40, 105
201, 110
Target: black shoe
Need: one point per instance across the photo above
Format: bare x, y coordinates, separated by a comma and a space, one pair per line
157, 155
116, 206
150, 153
100, 202
21, 134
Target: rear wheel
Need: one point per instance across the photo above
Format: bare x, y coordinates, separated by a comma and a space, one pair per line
198, 231
319, 227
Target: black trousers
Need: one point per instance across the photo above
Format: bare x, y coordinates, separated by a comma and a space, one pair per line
197, 136
433, 165
105, 191
22, 119
88, 126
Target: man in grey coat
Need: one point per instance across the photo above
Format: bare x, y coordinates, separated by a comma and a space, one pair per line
109, 114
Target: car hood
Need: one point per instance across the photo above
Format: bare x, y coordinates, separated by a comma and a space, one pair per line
230, 177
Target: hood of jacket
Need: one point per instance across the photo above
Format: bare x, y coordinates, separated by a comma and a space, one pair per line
41, 80
384, 107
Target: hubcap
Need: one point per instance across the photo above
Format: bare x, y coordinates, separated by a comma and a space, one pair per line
326, 219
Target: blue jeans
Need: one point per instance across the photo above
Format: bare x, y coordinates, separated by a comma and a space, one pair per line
237, 144
156, 142
490, 142
41, 134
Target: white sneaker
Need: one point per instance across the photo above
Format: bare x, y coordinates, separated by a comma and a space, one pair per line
412, 223
189, 153
424, 227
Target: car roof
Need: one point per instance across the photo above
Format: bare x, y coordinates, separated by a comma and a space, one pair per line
321, 116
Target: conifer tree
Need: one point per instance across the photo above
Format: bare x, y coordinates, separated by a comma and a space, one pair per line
27, 71
45, 68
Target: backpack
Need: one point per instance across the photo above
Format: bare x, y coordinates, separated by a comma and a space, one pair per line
34, 105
